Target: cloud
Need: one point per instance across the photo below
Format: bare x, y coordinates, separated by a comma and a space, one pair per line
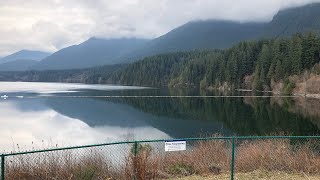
44, 128
54, 24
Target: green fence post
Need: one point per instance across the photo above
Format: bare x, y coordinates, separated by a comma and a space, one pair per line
135, 160
232, 159
2, 167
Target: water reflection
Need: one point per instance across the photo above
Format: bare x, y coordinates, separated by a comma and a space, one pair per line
30, 123
50, 88
41, 122
243, 116
117, 112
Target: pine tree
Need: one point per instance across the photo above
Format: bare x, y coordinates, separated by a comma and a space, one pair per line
296, 54
276, 57
265, 56
279, 72
257, 80
262, 78
271, 71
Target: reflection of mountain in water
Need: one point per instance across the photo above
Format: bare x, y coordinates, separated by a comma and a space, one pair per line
96, 112
182, 117
261, 118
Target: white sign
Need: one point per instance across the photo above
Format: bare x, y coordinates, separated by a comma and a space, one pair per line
175, 145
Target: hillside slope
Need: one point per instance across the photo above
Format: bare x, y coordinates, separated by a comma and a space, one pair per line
225, 34
17, 65
251, 65
289, 21
93, 52
193, 35
25, 55
200, 35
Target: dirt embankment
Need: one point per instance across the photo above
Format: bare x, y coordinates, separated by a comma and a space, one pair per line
306, 85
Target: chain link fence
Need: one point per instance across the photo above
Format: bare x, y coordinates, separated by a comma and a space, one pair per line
289, 157
231, 157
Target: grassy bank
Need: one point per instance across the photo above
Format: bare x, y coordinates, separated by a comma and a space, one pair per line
255, 175
255, 159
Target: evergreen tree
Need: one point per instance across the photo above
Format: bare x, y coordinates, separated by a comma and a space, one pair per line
264, 59
257, 84
296, 54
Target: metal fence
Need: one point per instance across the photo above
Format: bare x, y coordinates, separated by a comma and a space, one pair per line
227, 157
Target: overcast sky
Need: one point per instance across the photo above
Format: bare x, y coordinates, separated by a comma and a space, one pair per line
50, 25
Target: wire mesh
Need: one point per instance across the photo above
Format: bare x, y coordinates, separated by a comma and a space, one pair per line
210, 157
276, 158
254, 158
2, 167
86, 163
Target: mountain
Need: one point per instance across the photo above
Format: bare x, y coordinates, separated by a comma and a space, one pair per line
263, 65
25, 55
193, 35
199, 35
93, 52
289, 21
225, 34
17, 65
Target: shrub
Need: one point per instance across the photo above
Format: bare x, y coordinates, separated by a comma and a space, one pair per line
181, 168
87, 173
288, 87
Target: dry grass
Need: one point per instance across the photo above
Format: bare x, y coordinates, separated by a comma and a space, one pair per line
206, 157
278, 155
259, 159
255, 175
55, 165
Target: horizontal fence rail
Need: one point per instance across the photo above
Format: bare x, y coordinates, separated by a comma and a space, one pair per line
145, 159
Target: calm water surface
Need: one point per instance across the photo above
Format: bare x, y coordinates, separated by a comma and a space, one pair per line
42, 115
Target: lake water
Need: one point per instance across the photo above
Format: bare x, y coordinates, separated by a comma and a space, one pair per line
43, 115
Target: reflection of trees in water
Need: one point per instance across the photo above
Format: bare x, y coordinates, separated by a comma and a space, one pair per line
244, 116
257, 116
307, 107
115, 113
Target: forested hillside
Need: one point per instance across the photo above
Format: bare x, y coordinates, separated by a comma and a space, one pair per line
289, 21
220, 34
96, 75
252, 63
215, 34
256, 65
17, 65
200, 34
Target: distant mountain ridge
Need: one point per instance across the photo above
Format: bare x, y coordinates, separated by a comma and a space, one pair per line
201, 35
17, 65
224, 34
289, 21
22, 60
25, 55
93, 52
